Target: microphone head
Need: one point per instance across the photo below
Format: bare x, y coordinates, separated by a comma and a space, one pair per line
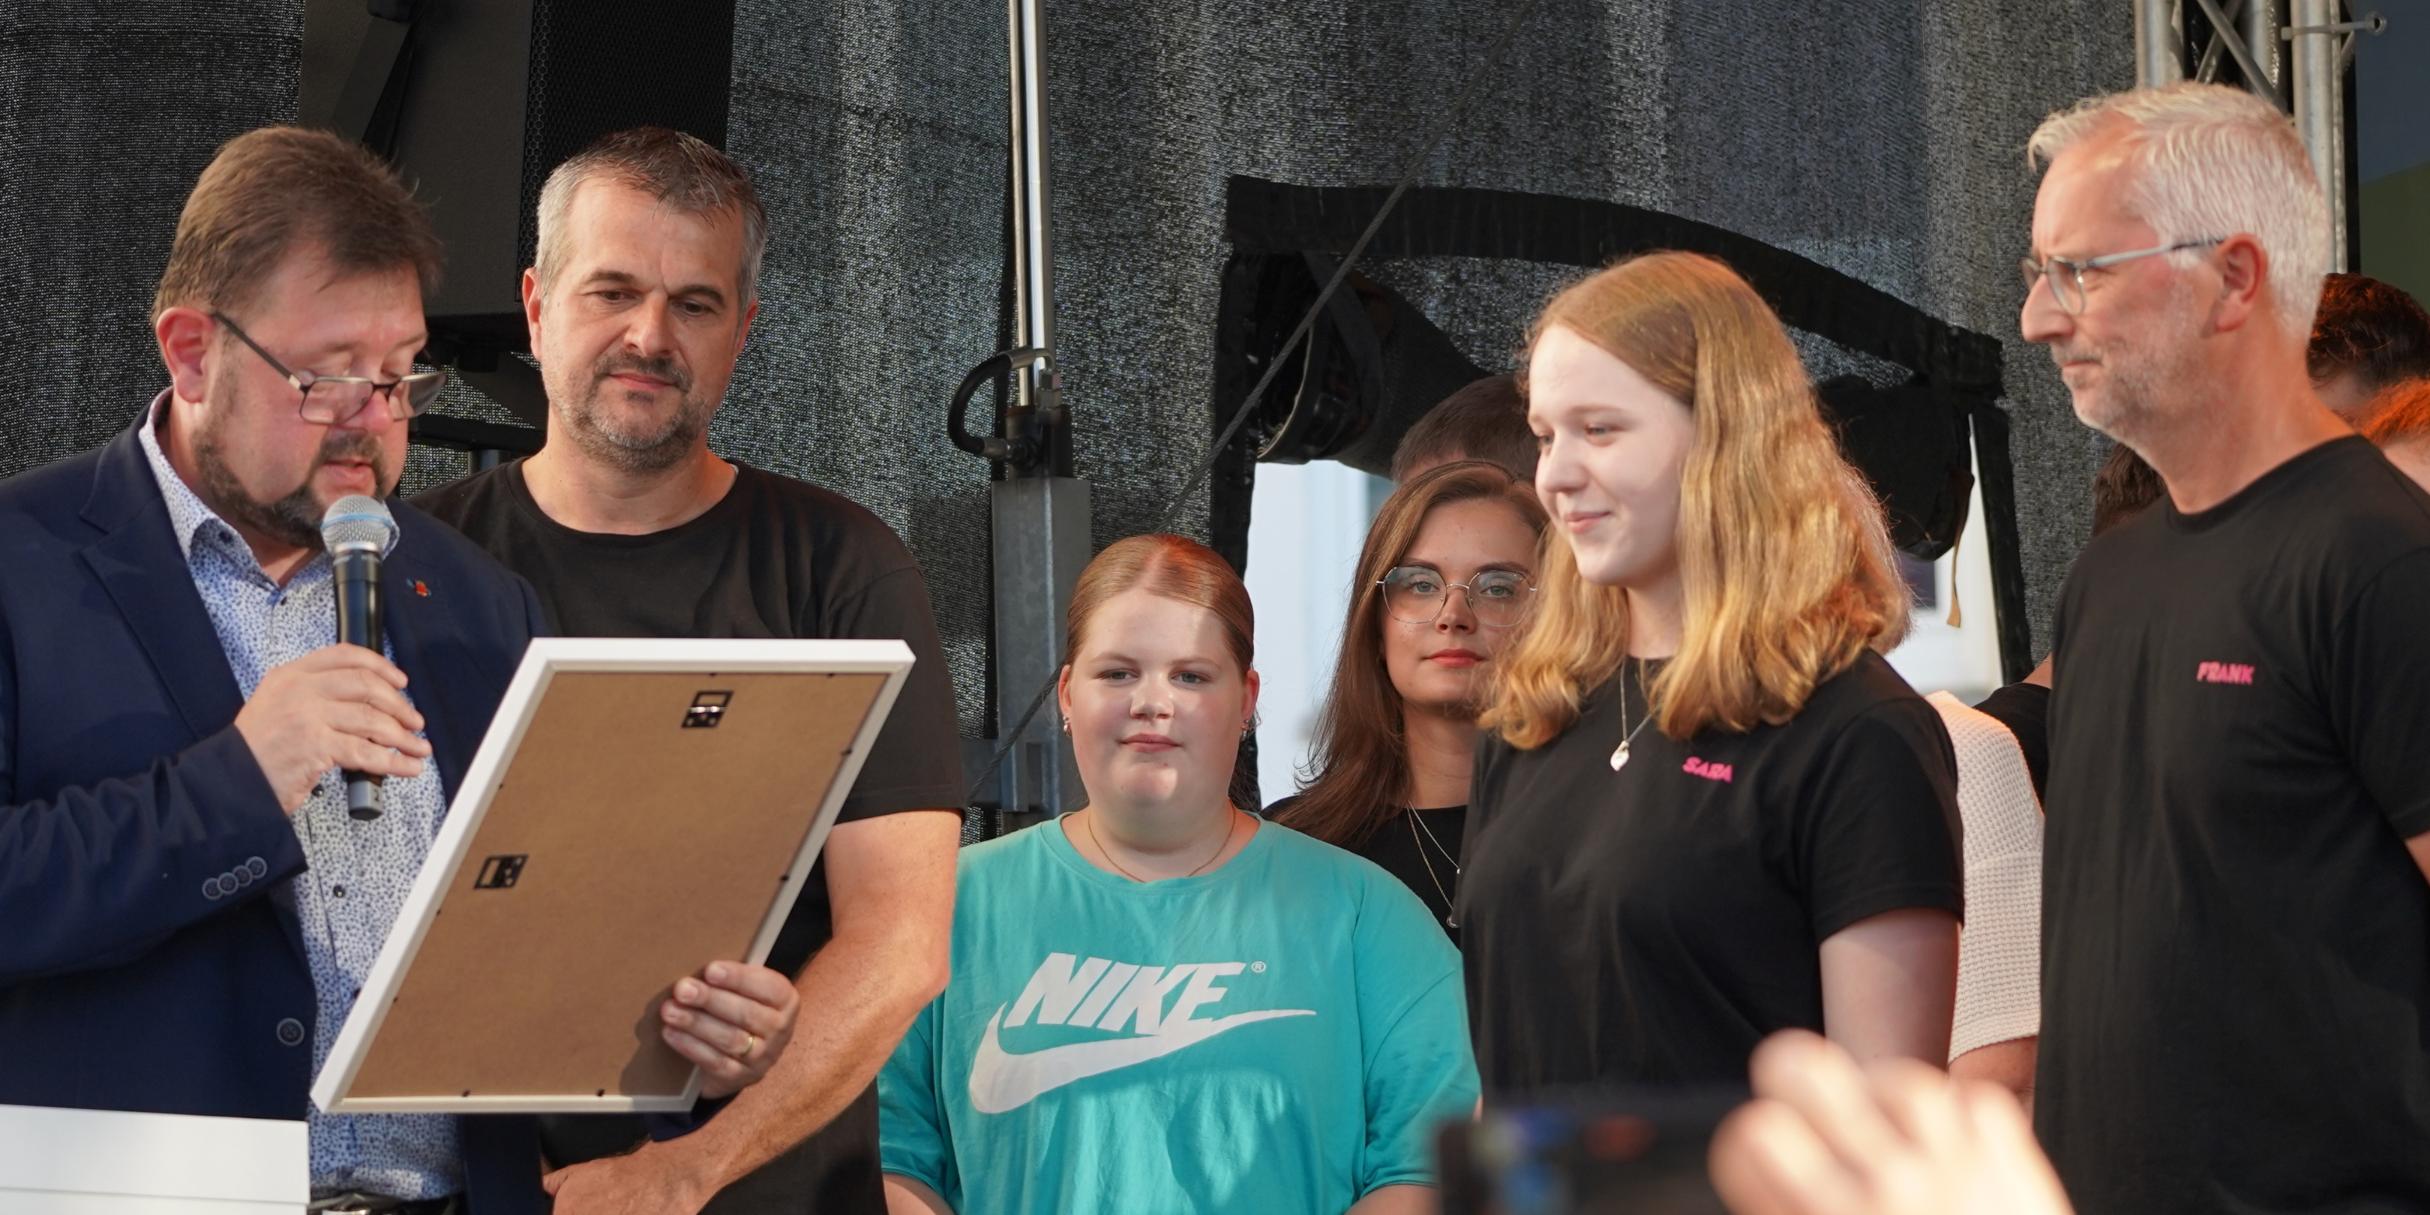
358, 524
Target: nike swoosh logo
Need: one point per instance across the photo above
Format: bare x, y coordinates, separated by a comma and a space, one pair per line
1002, 1082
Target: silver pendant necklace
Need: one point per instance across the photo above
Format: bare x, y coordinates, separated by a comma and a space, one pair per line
1627, 735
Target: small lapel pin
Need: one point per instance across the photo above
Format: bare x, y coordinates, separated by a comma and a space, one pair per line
421, 588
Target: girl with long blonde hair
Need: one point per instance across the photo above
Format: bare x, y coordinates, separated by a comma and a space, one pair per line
1709, 809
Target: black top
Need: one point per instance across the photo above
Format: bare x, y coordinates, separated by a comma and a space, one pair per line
2236, 944
1651, 925
2025, 709
1401, 844
774, 558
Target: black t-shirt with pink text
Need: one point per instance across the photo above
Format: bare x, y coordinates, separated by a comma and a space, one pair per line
1649, 926
2236, 942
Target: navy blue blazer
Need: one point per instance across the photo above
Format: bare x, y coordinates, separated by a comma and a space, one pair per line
150, 953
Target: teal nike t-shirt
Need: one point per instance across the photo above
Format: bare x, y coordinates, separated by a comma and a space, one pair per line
1281, 1035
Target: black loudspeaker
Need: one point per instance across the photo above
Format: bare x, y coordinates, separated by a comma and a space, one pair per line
1369, 369
475, 101
1914, 451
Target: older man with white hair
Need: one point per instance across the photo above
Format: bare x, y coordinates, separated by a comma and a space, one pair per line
2236, 942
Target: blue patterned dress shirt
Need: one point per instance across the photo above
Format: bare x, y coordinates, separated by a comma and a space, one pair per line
357, 873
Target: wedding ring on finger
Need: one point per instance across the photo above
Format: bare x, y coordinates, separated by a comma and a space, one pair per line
750, 1046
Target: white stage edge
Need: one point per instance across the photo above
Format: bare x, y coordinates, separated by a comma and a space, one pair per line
106, 1162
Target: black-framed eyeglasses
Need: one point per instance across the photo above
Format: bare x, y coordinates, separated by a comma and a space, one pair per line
2068, 288
327, 399
1497, 598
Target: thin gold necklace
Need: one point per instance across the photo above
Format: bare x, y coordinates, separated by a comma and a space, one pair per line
1449, 919
1090, 825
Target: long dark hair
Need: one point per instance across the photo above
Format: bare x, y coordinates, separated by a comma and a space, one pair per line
1361, 760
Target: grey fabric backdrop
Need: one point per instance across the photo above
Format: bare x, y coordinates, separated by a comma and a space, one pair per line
1882, 138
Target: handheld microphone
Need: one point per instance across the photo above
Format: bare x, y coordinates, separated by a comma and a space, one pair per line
359, 532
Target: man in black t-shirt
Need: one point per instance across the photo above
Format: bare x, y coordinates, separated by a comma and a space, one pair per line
2236, 934
628, 525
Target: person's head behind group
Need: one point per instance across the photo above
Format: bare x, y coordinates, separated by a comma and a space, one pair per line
1484, 420
645, 284
289, 315
2367, 337
2123, 485
1444, 580
1685, 458
2179, 239
1160, 680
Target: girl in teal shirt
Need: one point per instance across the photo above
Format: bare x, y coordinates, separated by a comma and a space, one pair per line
1159, 1003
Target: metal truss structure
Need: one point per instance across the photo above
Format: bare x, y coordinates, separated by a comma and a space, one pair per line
2296, 53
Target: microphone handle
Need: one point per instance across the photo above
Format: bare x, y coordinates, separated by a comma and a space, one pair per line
358, 623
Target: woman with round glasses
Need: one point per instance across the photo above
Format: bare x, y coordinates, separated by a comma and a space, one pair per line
1445, 578
1709, 810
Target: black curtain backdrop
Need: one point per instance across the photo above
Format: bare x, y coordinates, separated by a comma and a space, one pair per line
1881, 139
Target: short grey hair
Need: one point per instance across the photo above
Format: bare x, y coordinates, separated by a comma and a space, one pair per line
2212, 161
683, 171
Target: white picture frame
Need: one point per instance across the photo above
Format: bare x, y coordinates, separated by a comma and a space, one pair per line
449, 1042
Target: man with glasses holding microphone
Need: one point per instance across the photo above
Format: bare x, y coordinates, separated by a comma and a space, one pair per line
190, 910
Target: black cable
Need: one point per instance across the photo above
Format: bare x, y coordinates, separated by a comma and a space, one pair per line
1307, 322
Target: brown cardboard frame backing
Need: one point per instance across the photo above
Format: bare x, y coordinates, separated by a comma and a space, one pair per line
616, 849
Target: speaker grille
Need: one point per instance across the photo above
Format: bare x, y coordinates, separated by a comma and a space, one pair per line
599, 66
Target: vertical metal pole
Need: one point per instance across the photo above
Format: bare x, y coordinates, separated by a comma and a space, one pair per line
2319, 110
2159, 44
1041, 534
1033, 260
2260, 22
1039, 513
2335, 183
